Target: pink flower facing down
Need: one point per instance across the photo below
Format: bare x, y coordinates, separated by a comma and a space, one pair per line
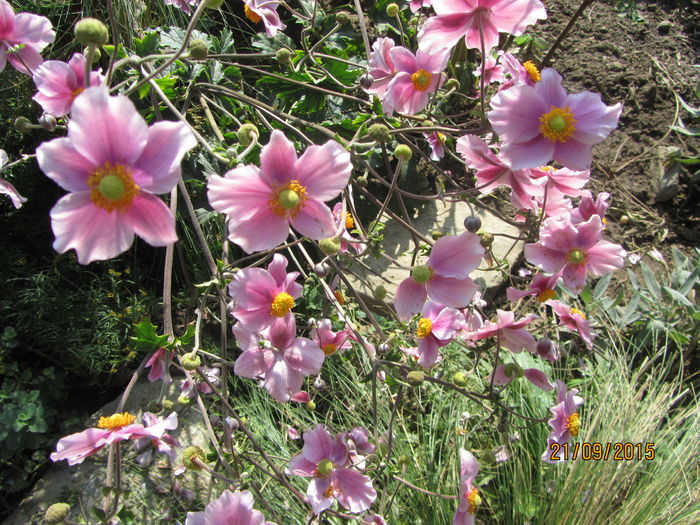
345, 221
213, 375
277, 356
509, 332
158, 363
468, 497
261, 296
185, 5
113, 164
415, 5
574, 250
444, 278
265, 11
436, 327
22, 38
436, 141
520, 74
231, 508
262, 202
566, 422
381, 66
166, 444
587, 207
327, 461
504, 374
492, 173
493, 72
59, 83
542, 122
417, 77
542, 286
328, 340
118, 427
7, 188
575, 320
564, 181
464, 18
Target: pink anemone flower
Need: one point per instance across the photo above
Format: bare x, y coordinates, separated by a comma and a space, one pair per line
436, 327
493, 72
415, 5
564, 180
22, 38
543, 122
117, 427
59, 83
7, 188
444, 278
281, 359
492, 173
566, 422
166, 444
575, 320
231, 508
113, 164
265, 11
587, 207
510, 333
520, 74
327, 461
574, 250
436, 141
261, 296
505, 373
262, 202
469, 498
185, 5
473, 18
542, 286
381, 66
345, 221
158, 363
212, 373
328, 340
417, 77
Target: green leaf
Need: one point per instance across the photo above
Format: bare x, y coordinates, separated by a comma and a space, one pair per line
601, 286
650, 280
121, 52
678, 297
678, 337
586, 295
147, 45
146, 337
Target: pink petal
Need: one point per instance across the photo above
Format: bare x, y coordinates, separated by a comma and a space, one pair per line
409, 298
428, 352
277, 160
605, 257
443, 31
76, 447
8, 189
550, 90
318, 444
314, 220
469, 466
59, 160
251, 364
262, 231
324, 170
304, 356
278, 380
315, 492
455, 293
513, 16
278, 269
152, 220
456, 255
34, 30
521, 155
594, 120
515, 114
500, 377
573, 154
539, 379
404, 61
283, 331
354, 491
240, 194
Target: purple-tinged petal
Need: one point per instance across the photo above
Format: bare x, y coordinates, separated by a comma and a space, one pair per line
152, 221
277, 160
76, 447
240, 194
573, 154
530, 154
304, 356
500, 377
538, 378
324, 170
59, 160
455, 293
262, 231
314, 220
409, 298
316, 492
353, 490
251, 363
456, 255
443, 31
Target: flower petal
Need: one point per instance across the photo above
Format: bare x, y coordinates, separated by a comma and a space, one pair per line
152, 220
324, 170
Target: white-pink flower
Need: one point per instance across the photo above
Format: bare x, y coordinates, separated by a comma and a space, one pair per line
345, 221
436, 141
566, 422
509, 332
575, 320
265, 11
503, 374
113, 164
231, 508
436, 328
59, 83
262, 202
22, 38
185, 5
469, 498
381, 66
541, 286
7, 188
444, 278
166, 444
328, 340
158, 363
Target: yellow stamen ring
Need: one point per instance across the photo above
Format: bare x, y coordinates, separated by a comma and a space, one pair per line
425, 327
287, 200
349, 221
281, 304
116, 421
113, 187
329, 349
573, 424
558, 124
532, 70
251, 15
421, 79
575, 311
474, 500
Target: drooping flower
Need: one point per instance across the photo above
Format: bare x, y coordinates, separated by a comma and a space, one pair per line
166, 444
563, 180
469, 498
520, 74
278, 357
505, 373
262, 202
265, 11
587, 207
415, 5
493, 72
543, 122
113, 164
574, 250
328, 340
492, 172
473, 18
118, 427
7, 188
158, 363
327, 461
542, 286
185, 5
575, 320
231, 508
436, 141
444, 278
566, 422
59, 83
345, 221
22, 38
261, 296
212, 373
436, 327
510, 333
417, 77
381, 66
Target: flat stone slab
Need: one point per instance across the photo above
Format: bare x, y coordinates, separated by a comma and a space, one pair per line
398, 244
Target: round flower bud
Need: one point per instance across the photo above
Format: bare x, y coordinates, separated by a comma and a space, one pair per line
486, 239
214, 4
311, 406
544, 346
513, 370
184, 399
472, 223
319, 383
415, 378
329, 246
246, 133
342, 18
199, 49
23, 125
404, 459
48, 122
383, 348
392, 10
57, 512
403, 152
321, 269
191, 361
624, 219
190, 454
452, 83
91, 32
366, 81
96, 55
379, 292
379, 132
284, 56
168, 404
459, 379
311, 323
231, 153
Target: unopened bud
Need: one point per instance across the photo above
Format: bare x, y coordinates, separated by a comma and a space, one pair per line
379, 292
199, 49
190, 455
319, 383
168, 404
379, 132
231, 153
57, 512
329, 246
459, 379
96, 55
415, 378
392, 10
247, 133
624, 219
486, 239
91, 32
472, 223
321, 269
184, 400
404, 459
403, 152
284, 56
383, 348
47, 121
23, 125
311, 406
342, 18
366, 81
191, 361
513, 370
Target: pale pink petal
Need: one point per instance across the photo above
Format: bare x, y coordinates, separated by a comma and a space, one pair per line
468, 465
549, 88
318, 444
513, 16
443, 31
409, 298
573, 154
314, 220
240, 194
277, 160
428, 352
34, 30
8, 189
60, 161
324, 170
76, 447
262, 231
516, 112
304, 356
594, 120
500, 377
535, 152
456, 255
251, 364
403, 60
316, 494
354, 491
278, 269
605, 257
277, 380
455, 293
538, 378
152, 220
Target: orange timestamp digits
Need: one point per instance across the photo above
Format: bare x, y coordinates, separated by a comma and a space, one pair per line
602, 451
